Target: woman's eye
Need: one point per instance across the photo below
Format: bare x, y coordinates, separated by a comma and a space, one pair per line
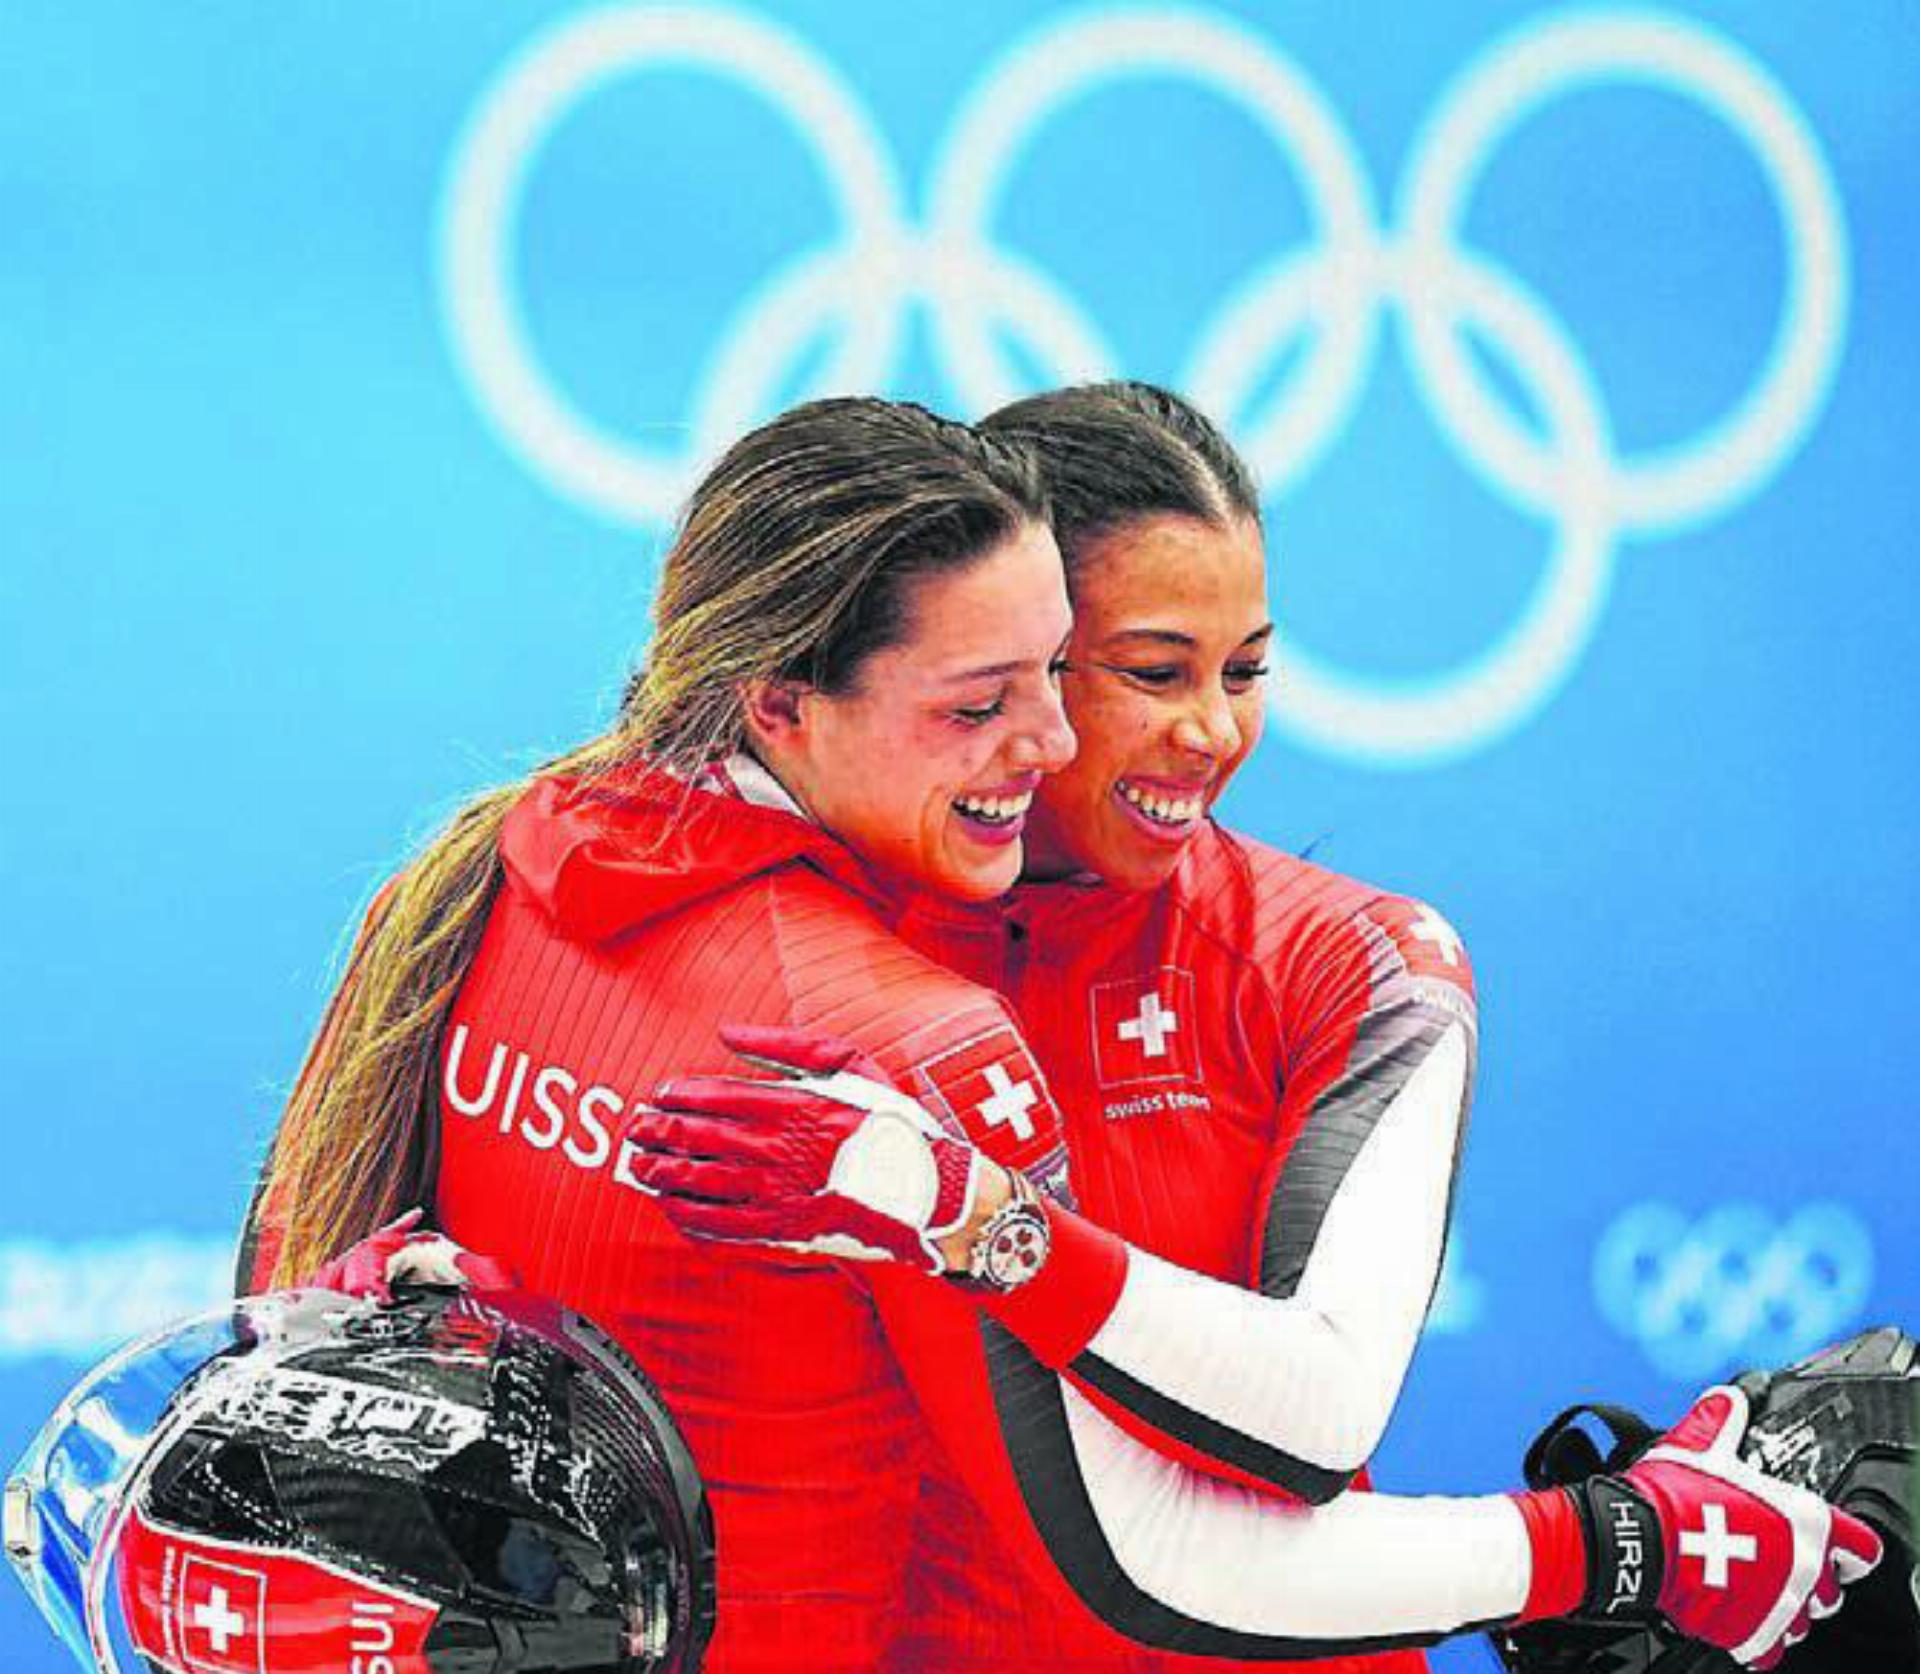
980, 716
1157, 676
1244, 674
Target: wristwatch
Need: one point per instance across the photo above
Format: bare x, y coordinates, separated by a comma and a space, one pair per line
1012, 1246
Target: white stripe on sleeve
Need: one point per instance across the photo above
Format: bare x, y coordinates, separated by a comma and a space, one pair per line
1316, 1374
1365, 1566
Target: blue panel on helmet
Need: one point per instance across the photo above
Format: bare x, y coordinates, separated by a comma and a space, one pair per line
75, 1474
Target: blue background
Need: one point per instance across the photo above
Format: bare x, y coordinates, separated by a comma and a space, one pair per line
277, 592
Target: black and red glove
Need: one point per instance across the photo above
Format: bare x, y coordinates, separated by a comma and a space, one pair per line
400, 1254
829, 1158
1692, 1532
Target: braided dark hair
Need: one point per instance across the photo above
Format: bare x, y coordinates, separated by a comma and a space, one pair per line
1114, 452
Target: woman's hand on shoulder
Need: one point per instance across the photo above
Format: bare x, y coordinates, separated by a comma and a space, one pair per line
823, 1155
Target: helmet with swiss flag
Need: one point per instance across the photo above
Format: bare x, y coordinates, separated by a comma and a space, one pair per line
448, 1484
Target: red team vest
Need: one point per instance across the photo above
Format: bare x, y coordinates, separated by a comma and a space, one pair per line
632, 926
1189, 1033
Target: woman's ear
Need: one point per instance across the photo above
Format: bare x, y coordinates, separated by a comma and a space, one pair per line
773, 712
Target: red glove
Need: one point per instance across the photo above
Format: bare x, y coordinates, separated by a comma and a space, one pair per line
397, 1254
1729, 1555
831, 1159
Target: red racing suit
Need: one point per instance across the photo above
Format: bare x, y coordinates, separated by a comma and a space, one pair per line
1264, 1070
637, 917
622, 943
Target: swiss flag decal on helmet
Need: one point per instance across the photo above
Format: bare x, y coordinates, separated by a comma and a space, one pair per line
201, 1607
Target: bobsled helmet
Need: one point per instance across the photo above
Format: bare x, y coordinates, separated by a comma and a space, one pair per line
448, 1484
1844, 1423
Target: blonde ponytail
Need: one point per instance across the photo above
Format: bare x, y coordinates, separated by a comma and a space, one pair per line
355, 1144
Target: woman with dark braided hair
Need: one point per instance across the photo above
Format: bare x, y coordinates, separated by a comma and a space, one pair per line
1265, 1068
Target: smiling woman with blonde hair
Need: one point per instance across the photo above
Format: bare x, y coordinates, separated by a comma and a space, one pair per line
869, 595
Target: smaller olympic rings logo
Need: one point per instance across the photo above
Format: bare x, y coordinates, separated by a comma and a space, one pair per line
1736, 1288
1330, 296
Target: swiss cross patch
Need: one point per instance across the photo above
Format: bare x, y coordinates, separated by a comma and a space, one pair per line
1426, 941
220, 1616
990, 1089
1146, 1028
204, 1606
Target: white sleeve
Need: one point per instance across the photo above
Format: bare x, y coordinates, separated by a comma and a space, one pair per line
1297, 1389
1289, 1378
1238, 1564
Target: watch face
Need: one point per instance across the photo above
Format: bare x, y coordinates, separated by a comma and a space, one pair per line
1017, 1248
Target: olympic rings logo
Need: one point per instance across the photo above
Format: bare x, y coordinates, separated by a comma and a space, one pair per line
1735, 1287
1330, 298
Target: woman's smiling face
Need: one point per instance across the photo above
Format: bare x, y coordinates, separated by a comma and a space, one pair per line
1165, 690
927, 764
